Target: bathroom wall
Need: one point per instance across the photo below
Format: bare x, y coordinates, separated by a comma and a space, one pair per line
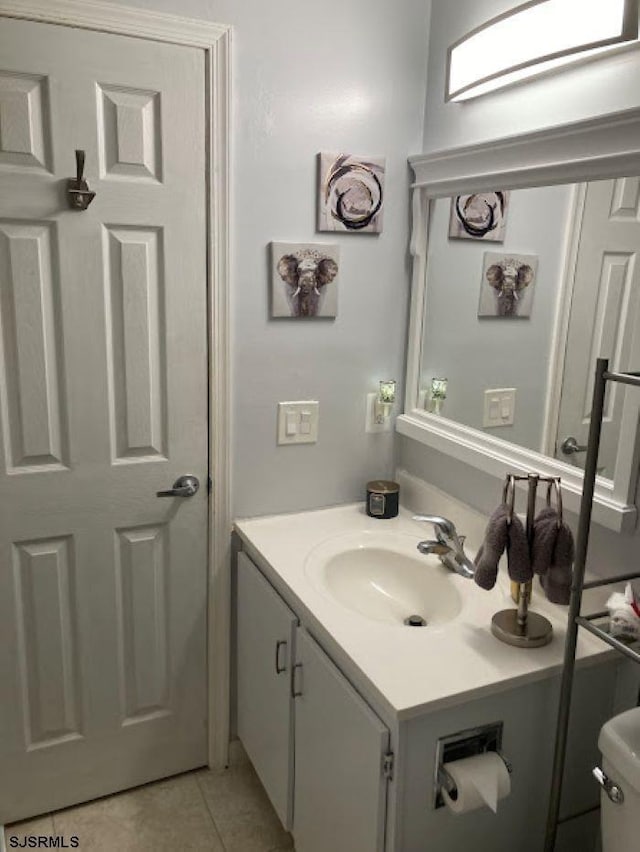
600, 87
311, 77
478, 353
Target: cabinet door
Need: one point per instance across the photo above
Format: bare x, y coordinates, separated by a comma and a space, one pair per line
340, 791
266, 631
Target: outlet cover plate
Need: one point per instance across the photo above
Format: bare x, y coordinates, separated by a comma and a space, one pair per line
370, 420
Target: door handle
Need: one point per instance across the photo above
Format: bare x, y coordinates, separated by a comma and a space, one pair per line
570, 446
184, 486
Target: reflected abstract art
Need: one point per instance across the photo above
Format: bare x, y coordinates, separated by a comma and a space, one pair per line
479, 216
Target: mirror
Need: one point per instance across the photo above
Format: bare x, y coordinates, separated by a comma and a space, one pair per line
563, 160
524, 290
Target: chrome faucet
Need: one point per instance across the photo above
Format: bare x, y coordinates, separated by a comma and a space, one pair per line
448, 545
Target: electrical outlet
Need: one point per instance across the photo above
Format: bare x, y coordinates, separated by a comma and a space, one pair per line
499, 407
298, 422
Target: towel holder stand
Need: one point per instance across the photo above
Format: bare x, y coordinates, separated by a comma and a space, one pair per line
521, 627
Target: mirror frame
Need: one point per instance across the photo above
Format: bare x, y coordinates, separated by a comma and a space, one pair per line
594, 149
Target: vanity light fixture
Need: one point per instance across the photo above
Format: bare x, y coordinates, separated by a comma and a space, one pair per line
535, 37
437, 395
385, 400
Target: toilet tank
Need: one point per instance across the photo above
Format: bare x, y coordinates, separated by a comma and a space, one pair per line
619, 743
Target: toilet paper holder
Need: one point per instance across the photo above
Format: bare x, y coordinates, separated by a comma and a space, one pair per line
463, 744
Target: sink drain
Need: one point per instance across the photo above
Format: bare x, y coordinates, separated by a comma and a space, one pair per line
415, 621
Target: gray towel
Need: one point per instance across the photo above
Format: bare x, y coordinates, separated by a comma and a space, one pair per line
557, 581
518, 558
553, 555
495, 541
501, 535
545, 529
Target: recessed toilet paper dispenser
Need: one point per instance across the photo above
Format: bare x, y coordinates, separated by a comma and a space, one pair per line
456, 747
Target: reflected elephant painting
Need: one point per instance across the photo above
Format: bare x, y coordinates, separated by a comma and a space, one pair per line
507, 285
304, 280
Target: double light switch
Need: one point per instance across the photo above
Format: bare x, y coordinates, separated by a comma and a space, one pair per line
298, 422
499, 407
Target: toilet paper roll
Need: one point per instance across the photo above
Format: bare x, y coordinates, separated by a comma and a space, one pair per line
480, 780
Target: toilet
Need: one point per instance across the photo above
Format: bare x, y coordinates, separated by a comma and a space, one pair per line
619, 778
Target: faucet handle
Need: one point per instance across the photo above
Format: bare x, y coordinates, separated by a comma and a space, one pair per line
445, 530
437, 521
444, 524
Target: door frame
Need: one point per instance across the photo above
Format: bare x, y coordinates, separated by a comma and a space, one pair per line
562, 316
215, 41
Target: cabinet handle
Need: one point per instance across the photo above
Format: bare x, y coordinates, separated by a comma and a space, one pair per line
281, 643
294, 692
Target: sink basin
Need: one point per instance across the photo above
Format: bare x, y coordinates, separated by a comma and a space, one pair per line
383, 577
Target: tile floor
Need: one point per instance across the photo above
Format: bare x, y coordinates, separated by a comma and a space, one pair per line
220, 811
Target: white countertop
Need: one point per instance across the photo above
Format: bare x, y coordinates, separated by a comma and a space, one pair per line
409, 670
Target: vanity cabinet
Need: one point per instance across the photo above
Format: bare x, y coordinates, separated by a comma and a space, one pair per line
340, 745
265, 643
295, 708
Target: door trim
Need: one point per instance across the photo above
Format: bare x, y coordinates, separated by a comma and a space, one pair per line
215, 41
557, 348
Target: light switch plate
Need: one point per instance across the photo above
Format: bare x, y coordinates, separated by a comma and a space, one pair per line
298, 422
499, 407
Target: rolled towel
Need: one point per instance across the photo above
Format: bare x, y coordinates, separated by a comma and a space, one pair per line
496, 538
518, 559
557, 581
545, 532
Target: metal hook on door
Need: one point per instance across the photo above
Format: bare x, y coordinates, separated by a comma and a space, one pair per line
78, 192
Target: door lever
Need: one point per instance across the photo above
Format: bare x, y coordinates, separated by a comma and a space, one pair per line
613, 791
570, 447
184, 486
78, 193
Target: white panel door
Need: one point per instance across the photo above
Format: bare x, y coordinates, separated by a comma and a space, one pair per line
103, 402
265, 636
340, 791
605, 314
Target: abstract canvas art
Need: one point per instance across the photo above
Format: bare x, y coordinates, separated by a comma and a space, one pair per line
508, 282
304, 279
351, 193
479, 216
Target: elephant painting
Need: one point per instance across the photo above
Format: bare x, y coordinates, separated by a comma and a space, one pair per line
510, 284
308, 273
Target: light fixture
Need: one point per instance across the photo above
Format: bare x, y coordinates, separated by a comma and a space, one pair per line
385, 400
437, 395
535, 37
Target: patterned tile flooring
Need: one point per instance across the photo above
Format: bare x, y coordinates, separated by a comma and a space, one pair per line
220, 811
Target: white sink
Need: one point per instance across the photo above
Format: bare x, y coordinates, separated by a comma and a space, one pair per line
383, 577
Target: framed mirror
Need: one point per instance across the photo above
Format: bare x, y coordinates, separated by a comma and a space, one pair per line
526, 269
